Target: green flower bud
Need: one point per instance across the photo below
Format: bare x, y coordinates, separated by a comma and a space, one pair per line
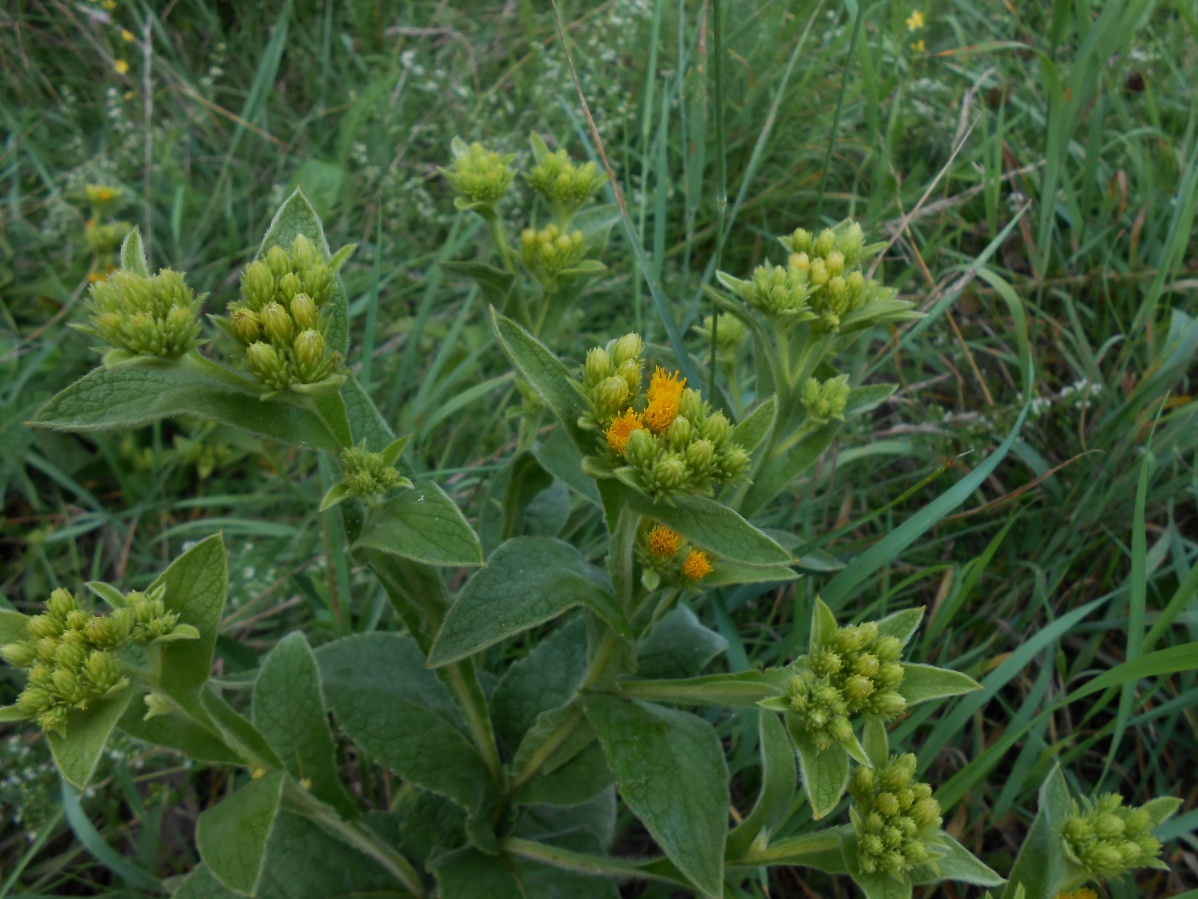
303, 311
597, 367
825, 400
289, 285
888, 648
480, 175
34, 700
1108, 827
102, 672
871, 845
47, 649
53, 719
730, 332
679, 433
848, 639
611, 396
630, 371
309, 352
926, 812
862, 781
888, 704
886, 805
303, 252
899, 772
368, 474
1137, 821
865, 665
892, 836
44, 626
61, 603
667, 475
776, 290
731, 461
693, 409
278, 261
824, 243
41, 676
68, 656
76, 620
627, 349
824, 661
67, 686
799, 241
835, 262
266, 364
19, 655
258, 283
318, 282
247, 326
700, 455
641, 451
889, 675
717, 428
840, 729
851, 242
858, 689
108, 632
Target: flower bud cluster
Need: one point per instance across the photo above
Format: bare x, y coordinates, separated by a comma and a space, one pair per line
480, 176
894, 817
278, 321
550, 252
1107, 839
143, 315
667, 553
71, 654
671, 441
564, 185
825, 400
856, 672
369, 474
105, 239
730, 333
781, 292
103, 198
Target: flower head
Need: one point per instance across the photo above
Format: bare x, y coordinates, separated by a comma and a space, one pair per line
915, 21
661, 541
665, 391
121, 67
621, 429
697, 566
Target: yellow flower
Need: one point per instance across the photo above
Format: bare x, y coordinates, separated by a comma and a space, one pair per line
919, 46
621, 429
663, 542
127, 35
915, 21
697, 566
665, 391
122, 67
109, 4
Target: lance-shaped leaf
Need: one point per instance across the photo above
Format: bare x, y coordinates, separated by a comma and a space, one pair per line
424, 525
527, 581
548, 377
232, 835
196, 586
922, 683
824, 774
78, 753
1042, 868
678, 646
757, 425
495, 283
957, 863
397, 711
671, 771
779, 470
544, 679
131, 395
289, 711
714, 527
297, 216
778, 778
13, 626
133, 254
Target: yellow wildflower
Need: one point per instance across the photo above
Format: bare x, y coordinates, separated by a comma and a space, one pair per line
665, 392
697, 566
915, 21
621, 429
919, 46
126, 35
122, 67
663, 542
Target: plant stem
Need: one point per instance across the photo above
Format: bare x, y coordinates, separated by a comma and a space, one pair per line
478, 720
530, 769
786, 851
586, 864
364, 841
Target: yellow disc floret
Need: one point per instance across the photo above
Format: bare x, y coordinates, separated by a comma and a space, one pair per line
663, 542
621, 429
697, 566
665, 393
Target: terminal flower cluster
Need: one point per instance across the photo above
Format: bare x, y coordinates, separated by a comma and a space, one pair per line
895, 819
140, 315
1107, 839
564, 185
670, 558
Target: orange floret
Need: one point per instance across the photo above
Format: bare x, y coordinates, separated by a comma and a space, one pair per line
697, 566
621, 429
663, 542
665, 392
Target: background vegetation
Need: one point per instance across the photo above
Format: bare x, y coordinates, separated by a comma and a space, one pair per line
1023, 157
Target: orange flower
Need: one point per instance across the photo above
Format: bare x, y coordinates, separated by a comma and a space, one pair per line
665, 392
697, 566
621, 429
663, 542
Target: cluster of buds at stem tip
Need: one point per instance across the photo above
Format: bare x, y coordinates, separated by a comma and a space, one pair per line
666, 442
896, 820
857, 671
280, 323
551, 254
726, 330
564, 185
825, 400
145, 315
1107, 839
667, 557
71, 654
480, 176
821, 282
368, 474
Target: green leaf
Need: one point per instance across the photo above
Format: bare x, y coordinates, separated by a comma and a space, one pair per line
132, 395
289, 711
867, 398
431, 825
744, 689
545, 679
527, 581
78, 753
757, 425
178, 732
86, 833
901, 624
237, 731
13, 713
1041, 867
469, 874
196, 585
297, 216
561, 458
921, 683
232, 836
547, 376
725, 573
13, 627
679, 646
958, 864
365, 420
495, 284
778, 471
778, 779
876, 742
397, 711
595, 224
581, 778
422, 524
714, 527
824, 774
671, 771
823, 623
133, 253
